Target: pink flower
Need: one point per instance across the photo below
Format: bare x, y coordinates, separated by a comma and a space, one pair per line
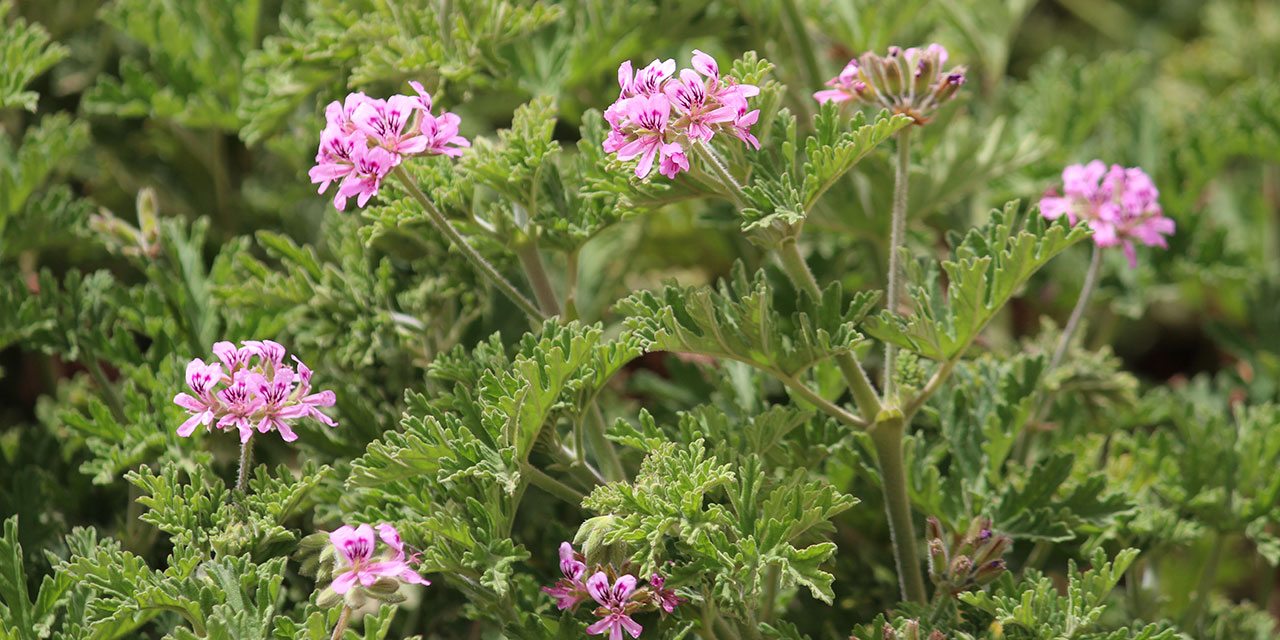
336, 158
569, 590
1119, 205
272, 405
384, 121
238, 402
355, 554
649, 115
259, 394
657, 115
233, 357
203, 406
666, 598
437, 133
371, 166
615, 606
648, 81
673, 160
310, 401
424, 98
338, 115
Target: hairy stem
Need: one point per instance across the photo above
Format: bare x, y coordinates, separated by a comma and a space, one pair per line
827, 407
1090, 281
534, 269
864, 395
1208, 575
343, 619
246, 459
887, 437
552, 486
606, 456
708, 154
487, 270
769, 602
896, 231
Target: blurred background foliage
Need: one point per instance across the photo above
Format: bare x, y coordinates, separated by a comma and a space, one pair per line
215, 106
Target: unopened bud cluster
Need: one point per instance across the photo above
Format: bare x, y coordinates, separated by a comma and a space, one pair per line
910, 632
958, 561
910, 82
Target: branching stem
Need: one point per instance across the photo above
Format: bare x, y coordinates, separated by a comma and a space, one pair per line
606, 456
552, 486
487, 270
735, 192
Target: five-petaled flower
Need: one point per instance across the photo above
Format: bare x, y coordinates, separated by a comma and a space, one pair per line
615, 605
256, 392
357, 563
365, 138
658, 113
1118, 204
910, 82
569, 590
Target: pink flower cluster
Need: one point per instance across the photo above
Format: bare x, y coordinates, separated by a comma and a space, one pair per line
364, 139
618, 598
356, 561
257, 391
1119, 204
909, 82
658, 114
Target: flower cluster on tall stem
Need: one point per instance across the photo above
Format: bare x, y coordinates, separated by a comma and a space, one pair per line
257, 391
616, 594
1118, 203
658, 113
365, 138
910, 82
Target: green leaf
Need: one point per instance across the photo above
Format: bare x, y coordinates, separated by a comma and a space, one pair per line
738, 321
27, 53
987, 267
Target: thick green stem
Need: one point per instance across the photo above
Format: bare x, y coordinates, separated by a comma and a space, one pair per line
531, 260
887, 436
897, 230
735, 192
1208, 575
246, 459
864, 395
1090, 281
487, 270
343, 619
606, 456
551, 485
769, 602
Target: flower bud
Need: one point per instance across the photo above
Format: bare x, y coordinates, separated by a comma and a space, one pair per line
912, 630
989, 572
937, 561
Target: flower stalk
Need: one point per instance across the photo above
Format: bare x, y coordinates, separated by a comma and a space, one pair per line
246, 459
536, 272
443, 226
1090, 282
897, 230
343, 619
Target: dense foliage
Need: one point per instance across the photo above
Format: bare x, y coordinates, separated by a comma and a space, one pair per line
800, 335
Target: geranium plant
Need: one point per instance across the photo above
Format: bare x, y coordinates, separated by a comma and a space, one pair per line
650, 320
